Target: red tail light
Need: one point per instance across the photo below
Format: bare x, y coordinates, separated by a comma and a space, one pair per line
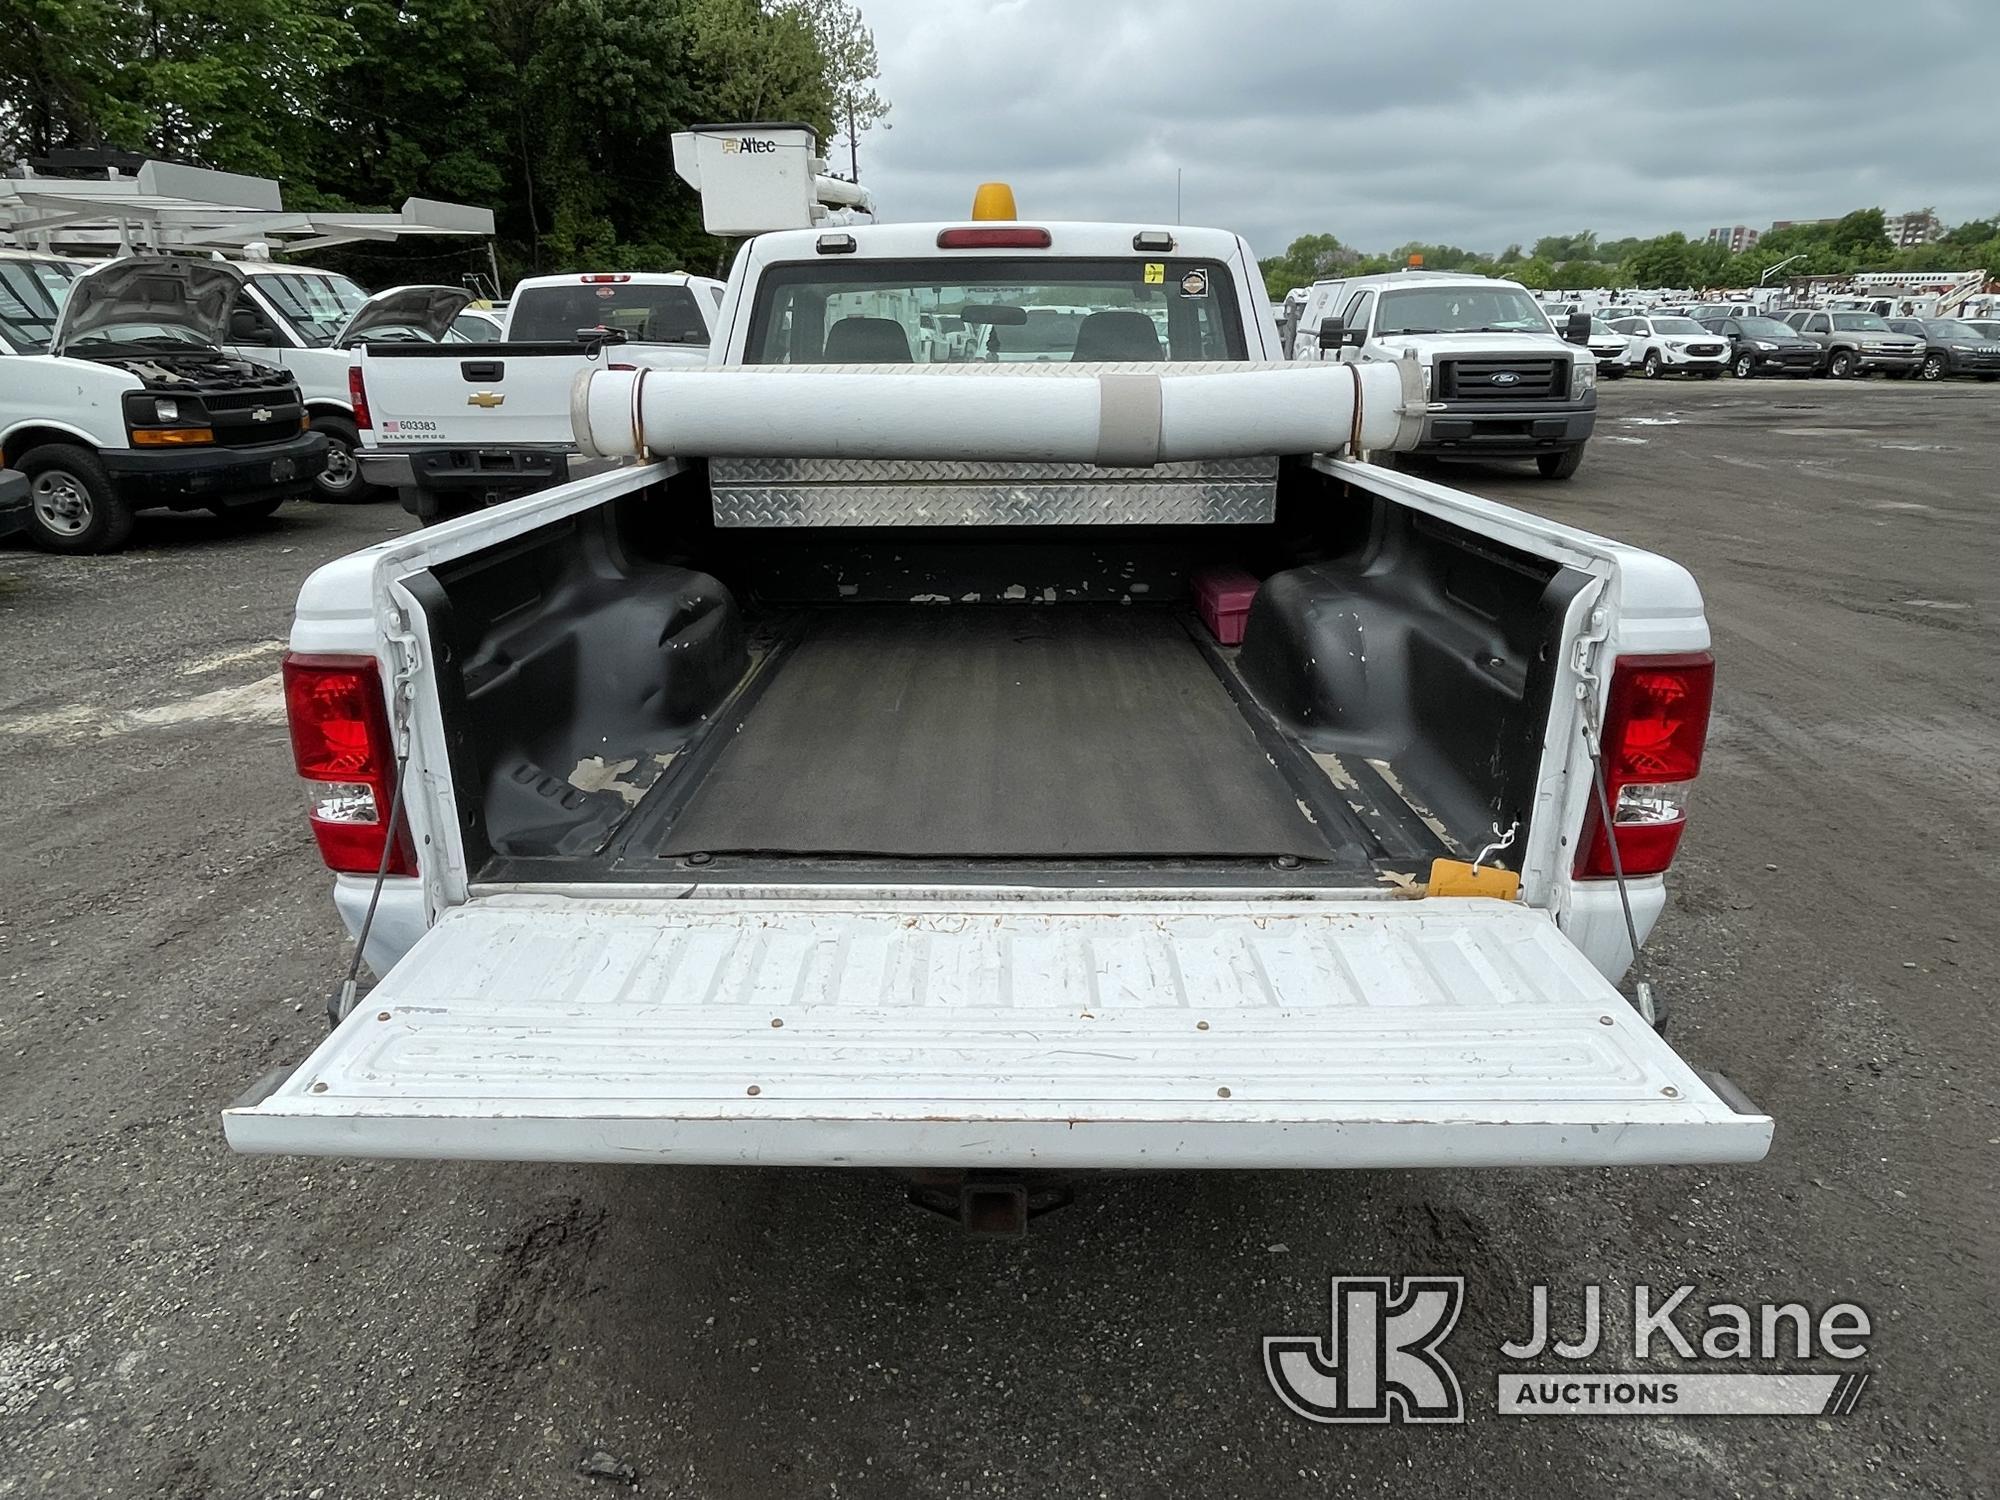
603, 278
357, 396
1655, 724
343, 748
995, 237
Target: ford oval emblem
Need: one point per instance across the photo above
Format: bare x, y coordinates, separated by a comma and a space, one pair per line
1506, 377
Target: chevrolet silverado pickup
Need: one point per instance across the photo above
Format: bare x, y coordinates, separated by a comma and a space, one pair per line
997, 770
453, 427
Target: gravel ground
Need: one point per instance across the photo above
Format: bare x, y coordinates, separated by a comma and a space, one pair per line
176, 1321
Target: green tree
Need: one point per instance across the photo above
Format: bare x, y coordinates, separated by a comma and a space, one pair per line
1533, 272
1307, 259
850, 65
1558, 248
62, 82
1861, 235
1662, 261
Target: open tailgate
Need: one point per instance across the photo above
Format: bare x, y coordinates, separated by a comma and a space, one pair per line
1047, 1033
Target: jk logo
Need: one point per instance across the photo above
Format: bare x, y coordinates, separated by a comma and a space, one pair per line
1381, 1362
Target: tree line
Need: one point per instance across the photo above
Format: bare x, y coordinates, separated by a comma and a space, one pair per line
554, 113
1855, 242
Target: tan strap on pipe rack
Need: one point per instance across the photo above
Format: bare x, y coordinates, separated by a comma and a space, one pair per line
1128, 421
638, 419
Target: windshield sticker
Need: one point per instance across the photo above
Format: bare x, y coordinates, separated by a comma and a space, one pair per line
1156, 273
1194, 284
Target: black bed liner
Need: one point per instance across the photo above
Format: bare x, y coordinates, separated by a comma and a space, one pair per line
994, 732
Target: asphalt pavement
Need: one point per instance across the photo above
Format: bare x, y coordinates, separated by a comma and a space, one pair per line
176, 1321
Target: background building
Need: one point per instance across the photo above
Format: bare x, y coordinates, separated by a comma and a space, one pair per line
1737, 237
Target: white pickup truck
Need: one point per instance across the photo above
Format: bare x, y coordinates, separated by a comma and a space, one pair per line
1499, 381
453, 427
888, 773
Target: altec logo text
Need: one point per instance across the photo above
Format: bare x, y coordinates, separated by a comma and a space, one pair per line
1383, 1359
738, 145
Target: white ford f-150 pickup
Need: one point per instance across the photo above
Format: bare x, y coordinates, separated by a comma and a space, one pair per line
453, 427
1000, 767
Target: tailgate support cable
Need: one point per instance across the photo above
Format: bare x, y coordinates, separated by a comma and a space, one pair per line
1641, 987
342, 1001
1586, 692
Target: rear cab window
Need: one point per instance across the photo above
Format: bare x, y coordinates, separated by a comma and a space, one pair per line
645, 314
1014, 310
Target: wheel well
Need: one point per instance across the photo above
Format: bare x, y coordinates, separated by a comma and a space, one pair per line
22, 439
330, 409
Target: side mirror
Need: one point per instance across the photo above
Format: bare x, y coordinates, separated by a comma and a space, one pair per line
1332, 332
1577, 329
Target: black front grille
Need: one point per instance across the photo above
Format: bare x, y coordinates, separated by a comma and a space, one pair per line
250, 419
1500, 378
249, 400
1704, 349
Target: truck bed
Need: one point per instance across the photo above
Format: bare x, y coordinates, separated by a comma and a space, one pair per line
877, 733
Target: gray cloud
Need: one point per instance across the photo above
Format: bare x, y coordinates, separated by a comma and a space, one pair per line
1453, 121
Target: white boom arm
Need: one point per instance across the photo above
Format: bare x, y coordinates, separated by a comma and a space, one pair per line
1131, 415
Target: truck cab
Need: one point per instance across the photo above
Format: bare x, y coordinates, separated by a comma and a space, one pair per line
1501, 381
134, 402
999, 768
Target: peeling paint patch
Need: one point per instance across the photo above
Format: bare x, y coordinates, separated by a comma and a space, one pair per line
1335, 771
1431, 820
596, 774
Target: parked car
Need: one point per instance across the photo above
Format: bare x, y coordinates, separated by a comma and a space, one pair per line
1986, 328
1607, 347
1857, 343
1701, 312
1764, 346
1951, 348
1669, 345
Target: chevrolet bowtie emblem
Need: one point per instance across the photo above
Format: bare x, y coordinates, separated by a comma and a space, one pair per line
486, 399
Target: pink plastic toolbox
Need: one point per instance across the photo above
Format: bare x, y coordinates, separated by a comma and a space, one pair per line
1223, 596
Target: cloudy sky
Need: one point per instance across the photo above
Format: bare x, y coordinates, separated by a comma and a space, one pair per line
1448, 121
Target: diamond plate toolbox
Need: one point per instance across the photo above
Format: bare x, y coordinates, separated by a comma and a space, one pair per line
859, 492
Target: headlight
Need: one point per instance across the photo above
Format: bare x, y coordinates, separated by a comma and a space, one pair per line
166, 411
1761, 344
1966, 348
1582, 378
